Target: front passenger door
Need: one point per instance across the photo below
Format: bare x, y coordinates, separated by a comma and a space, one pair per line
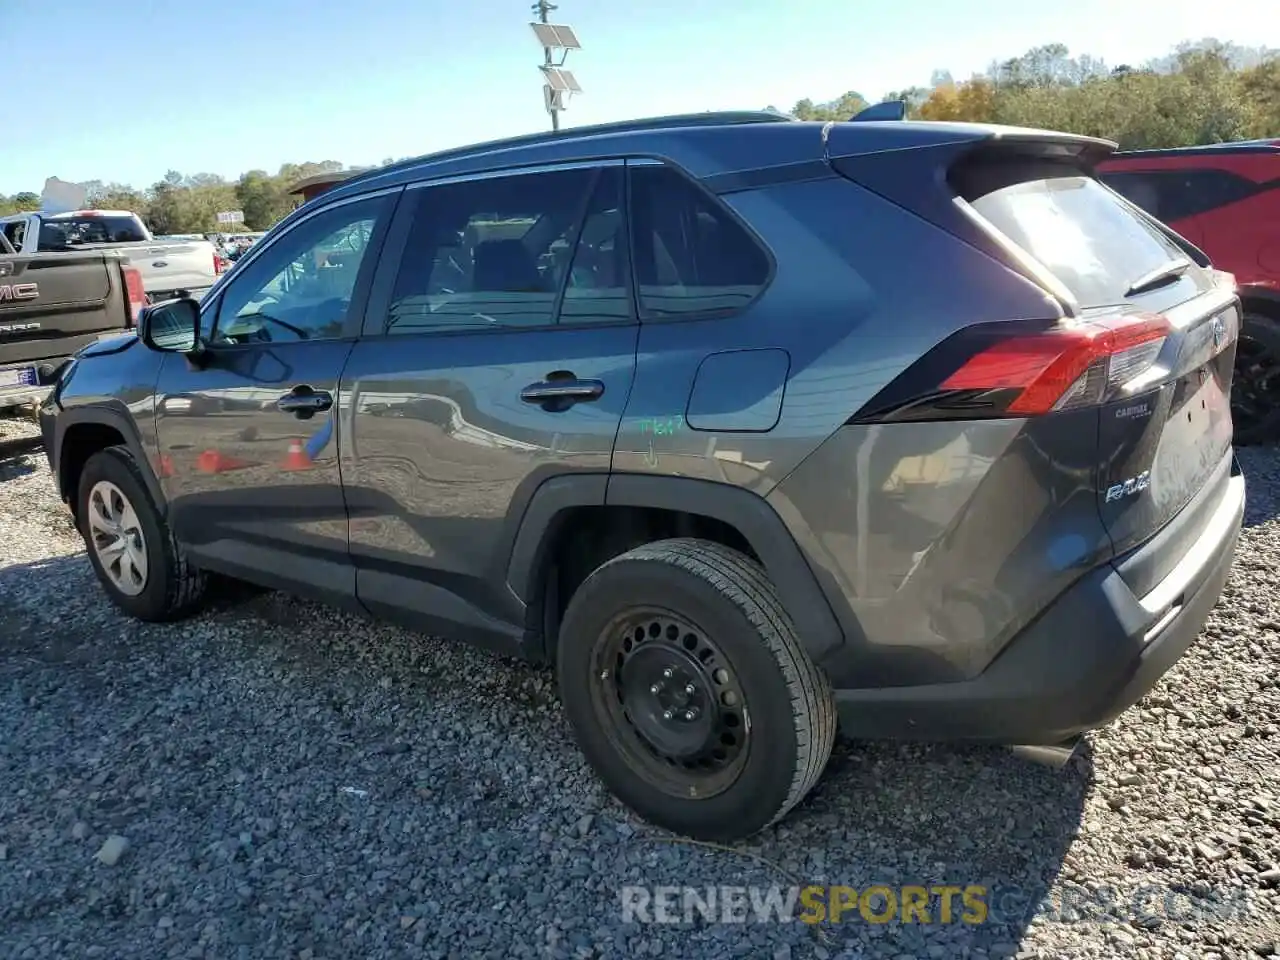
249, 439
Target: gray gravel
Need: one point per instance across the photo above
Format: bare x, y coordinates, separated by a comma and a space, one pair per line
273, 779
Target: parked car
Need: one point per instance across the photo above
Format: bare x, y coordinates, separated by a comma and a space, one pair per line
1225, 199
51, 305
167, 266
746, 424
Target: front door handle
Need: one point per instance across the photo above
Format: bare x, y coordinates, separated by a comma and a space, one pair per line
561, 393
304, 402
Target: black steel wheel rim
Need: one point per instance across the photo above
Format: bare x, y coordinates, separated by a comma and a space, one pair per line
670, 702
1255, 394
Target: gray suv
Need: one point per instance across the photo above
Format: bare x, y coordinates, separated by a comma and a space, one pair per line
747, 425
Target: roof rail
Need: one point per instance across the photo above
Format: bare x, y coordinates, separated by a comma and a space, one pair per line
1230, 146
711, 118
888, 110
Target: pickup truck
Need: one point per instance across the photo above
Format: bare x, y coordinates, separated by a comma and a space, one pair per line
53, 304
167, 267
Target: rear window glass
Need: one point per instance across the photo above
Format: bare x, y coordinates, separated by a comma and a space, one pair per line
1074, 226
70, 231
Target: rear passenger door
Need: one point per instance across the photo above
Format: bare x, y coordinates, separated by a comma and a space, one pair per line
498, 351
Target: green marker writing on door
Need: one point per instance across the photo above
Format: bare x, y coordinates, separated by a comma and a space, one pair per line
661, 426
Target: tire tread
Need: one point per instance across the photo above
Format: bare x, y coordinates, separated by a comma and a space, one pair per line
747, 585
186, 583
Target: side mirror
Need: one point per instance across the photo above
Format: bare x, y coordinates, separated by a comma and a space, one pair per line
172, 326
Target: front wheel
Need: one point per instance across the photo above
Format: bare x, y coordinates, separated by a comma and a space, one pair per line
690, 693
133, 552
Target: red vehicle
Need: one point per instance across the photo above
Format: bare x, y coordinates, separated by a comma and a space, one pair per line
1225, 199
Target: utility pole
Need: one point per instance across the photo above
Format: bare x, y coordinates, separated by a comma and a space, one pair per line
559, 84
544, 8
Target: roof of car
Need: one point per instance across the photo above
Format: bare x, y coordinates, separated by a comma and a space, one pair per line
704, 144
68, 215
1213, 149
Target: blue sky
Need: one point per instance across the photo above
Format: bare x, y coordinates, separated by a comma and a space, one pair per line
125, 91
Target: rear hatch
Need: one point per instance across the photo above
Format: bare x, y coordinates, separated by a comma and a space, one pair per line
1147, 335
1165, 422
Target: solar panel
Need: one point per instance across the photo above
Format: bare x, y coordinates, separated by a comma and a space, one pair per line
560, 79
556, 35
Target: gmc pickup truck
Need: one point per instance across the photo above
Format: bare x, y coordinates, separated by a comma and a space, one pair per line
51, 305
167, 267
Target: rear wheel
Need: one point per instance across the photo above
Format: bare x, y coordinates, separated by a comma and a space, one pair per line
137, 560
1255, 394
689, 691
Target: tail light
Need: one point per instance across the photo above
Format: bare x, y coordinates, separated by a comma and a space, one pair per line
137, 295
1008, 370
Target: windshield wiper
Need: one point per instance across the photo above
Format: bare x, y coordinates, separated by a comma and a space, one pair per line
1158, 277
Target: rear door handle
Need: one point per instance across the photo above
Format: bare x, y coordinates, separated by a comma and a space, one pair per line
304, 402
561, 393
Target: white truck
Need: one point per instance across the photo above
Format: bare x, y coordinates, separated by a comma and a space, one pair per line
167, 266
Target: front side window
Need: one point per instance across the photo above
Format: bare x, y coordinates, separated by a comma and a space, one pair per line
692, 256
493, 252
302, 286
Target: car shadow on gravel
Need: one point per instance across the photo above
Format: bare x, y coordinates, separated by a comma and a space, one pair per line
1261, 470
935, 815
420, 766
14, 461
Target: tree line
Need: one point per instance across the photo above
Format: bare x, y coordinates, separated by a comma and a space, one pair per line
1201, 92
190, 204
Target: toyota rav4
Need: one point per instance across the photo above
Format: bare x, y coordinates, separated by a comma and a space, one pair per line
747, 425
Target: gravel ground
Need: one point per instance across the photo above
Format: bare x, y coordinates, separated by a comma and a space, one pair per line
289, 781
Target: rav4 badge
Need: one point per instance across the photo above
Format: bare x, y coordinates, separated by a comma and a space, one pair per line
1130, 487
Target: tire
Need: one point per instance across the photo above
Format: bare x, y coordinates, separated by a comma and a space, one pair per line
171, 587
755, 673
1255, 393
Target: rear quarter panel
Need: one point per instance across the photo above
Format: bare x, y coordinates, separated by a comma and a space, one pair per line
861, 289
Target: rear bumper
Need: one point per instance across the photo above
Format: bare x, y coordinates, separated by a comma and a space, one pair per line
1089, 657
22, 398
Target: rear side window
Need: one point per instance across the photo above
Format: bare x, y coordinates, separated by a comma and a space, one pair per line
73, 231
1095, 245
691, 256
496, 252
1171, 195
